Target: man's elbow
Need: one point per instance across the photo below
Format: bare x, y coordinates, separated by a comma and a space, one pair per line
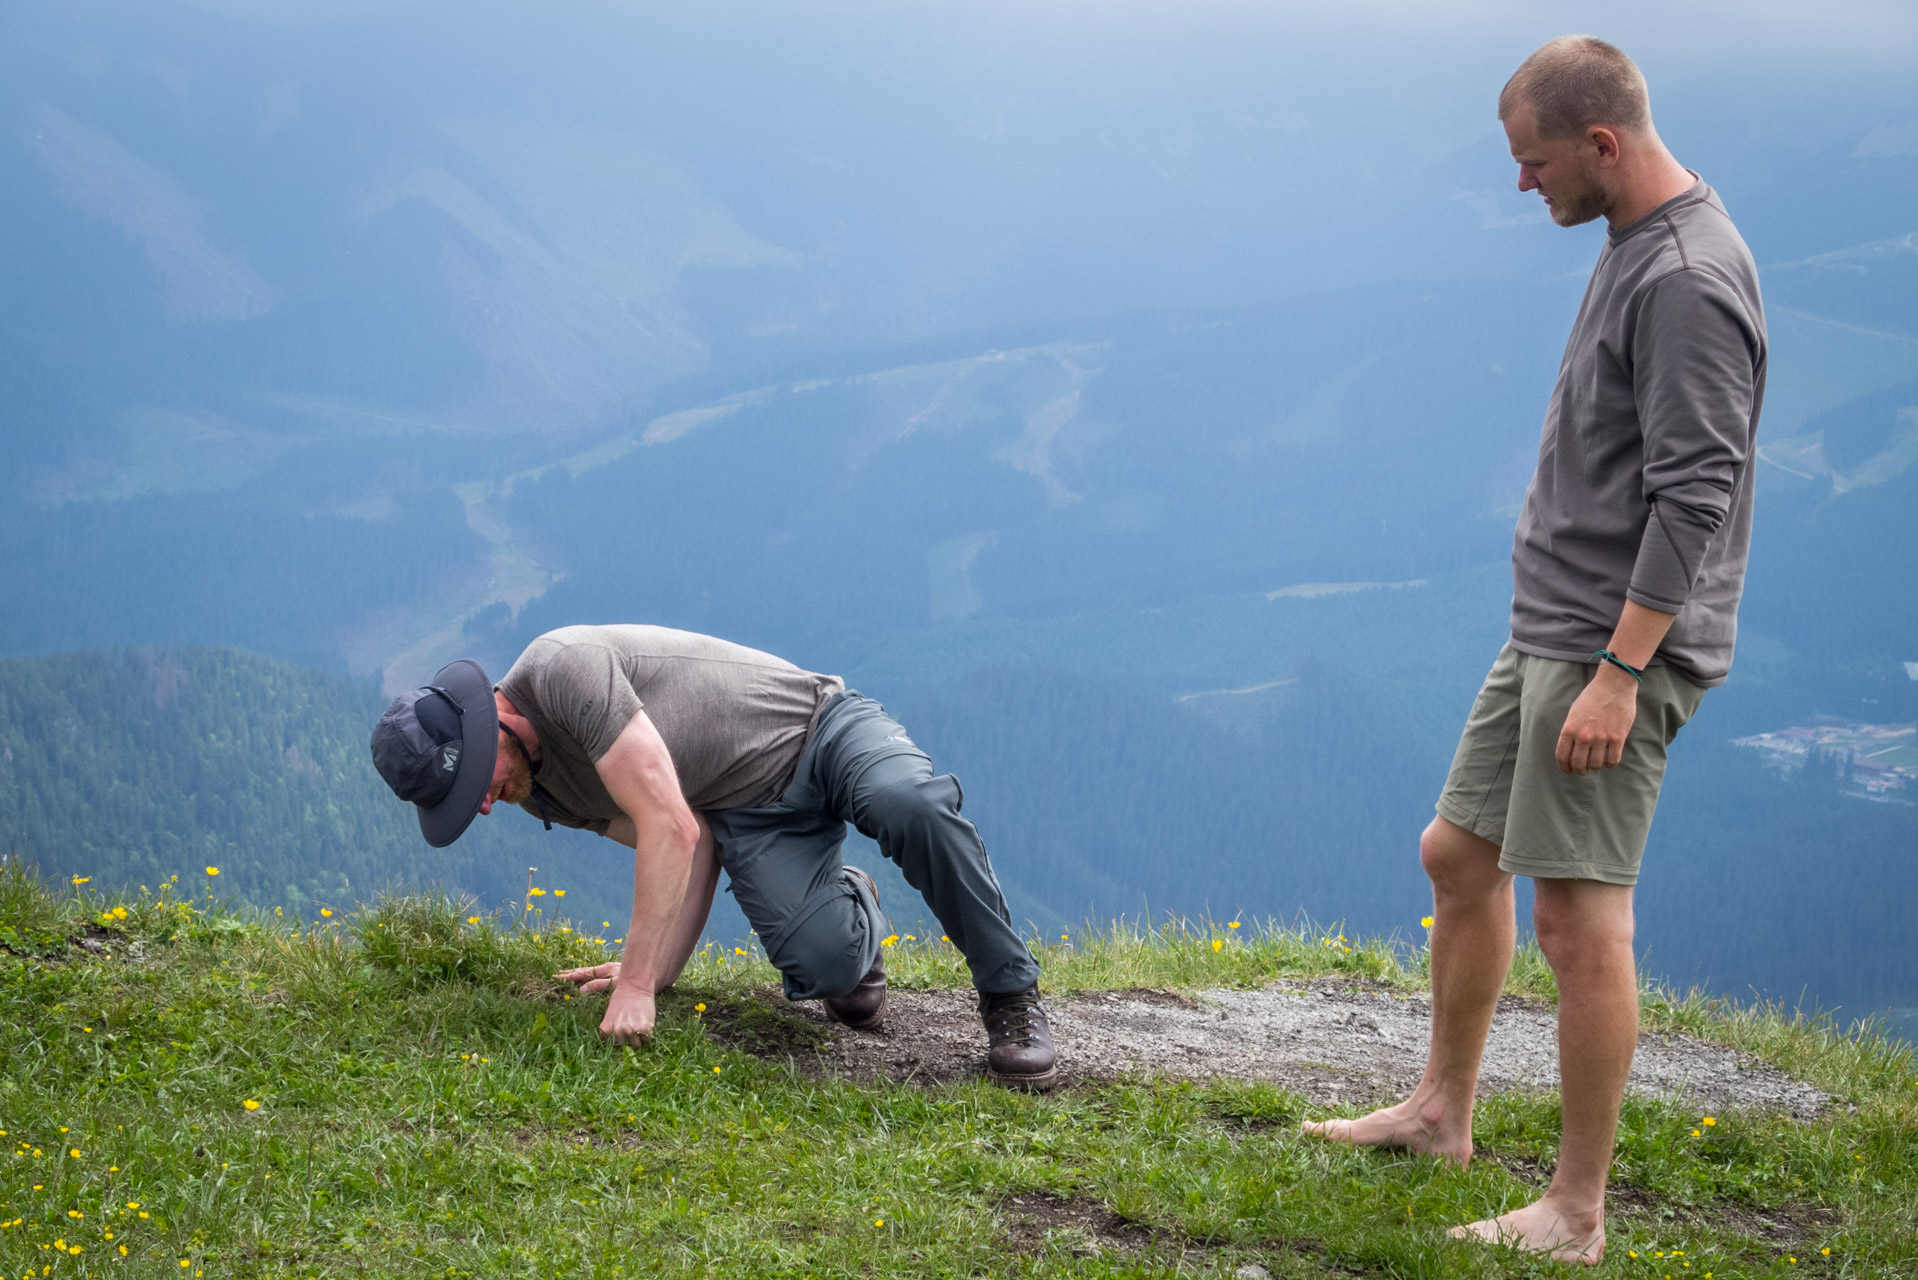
685, 830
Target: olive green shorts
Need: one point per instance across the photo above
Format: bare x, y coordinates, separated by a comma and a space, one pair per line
1506, 786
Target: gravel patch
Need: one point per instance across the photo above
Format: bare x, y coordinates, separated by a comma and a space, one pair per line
1332, 1041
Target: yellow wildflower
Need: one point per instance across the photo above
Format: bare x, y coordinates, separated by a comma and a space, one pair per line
1710, 1121
81, 879
213, 871
1232, 924
559, 893
74, 1152
472, 919
326, 911
715, 1070
699, 1008
889, 940
251, 1104
1425, 921
1217, 945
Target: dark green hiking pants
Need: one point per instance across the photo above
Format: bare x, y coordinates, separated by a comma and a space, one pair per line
821, 927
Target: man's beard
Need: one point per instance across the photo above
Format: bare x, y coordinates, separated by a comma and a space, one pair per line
1583, 203
519, 781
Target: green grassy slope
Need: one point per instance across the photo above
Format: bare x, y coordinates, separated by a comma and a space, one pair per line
195, 1090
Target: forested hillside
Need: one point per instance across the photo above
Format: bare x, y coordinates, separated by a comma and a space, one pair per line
131, 765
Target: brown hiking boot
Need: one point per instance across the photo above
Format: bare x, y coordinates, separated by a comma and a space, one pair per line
1020, 1055
864, 1007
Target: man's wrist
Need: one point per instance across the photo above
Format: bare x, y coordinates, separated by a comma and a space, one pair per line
1615, 679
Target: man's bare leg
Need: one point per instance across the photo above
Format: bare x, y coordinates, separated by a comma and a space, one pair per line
1585, 929
1472, 935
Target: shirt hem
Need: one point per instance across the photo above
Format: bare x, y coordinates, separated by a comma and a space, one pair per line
1584, 658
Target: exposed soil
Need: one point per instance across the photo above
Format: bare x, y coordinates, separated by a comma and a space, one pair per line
93, 942
1332, 1041
1039, 1222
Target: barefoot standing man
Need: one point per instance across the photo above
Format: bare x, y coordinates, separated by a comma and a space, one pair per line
1627, 569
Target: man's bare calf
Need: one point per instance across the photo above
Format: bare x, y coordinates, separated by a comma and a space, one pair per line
1473, 929
1585, 930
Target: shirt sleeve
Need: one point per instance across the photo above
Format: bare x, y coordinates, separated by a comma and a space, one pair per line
1693, 375
586, 694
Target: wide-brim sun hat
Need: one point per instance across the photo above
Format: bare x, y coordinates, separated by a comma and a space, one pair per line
436, 747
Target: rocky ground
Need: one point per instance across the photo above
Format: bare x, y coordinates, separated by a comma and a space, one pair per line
1332, 1041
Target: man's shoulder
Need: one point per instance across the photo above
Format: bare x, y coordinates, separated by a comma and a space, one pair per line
1693, 243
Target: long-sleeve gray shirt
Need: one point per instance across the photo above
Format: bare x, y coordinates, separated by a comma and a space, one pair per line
1644, 485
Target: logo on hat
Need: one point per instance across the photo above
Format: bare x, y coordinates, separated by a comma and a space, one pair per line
450, 757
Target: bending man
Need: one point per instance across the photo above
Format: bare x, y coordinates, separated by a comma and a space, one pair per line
700, 754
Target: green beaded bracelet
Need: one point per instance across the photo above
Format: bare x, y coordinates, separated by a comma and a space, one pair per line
1606, 655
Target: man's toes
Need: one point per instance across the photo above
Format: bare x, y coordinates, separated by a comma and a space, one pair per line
1331, 1130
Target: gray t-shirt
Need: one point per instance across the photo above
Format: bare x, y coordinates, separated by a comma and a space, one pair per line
1644, 484
734, 719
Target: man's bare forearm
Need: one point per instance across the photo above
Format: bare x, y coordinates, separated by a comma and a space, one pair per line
702, 879
701, 882
662, 867
1639, 633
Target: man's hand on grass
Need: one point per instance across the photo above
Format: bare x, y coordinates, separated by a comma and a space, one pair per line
629, 1017
629, 1014
1599, 722
597, 977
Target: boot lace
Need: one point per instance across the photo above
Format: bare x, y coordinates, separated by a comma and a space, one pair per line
1013, 1014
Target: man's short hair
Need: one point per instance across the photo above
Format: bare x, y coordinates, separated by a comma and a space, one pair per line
1575, 82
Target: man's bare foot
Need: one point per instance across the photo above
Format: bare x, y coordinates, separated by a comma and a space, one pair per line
1542, 1228
1410, 1125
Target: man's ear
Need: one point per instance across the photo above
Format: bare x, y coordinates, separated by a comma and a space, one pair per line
1603, 140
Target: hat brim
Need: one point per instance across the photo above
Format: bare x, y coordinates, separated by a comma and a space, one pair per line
445, 822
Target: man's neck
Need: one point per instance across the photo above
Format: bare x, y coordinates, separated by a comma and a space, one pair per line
510, 716
1656, 179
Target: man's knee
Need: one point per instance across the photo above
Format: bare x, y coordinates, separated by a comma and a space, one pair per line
827, 956
1582, 921
913, 806
1455, 858
833, 976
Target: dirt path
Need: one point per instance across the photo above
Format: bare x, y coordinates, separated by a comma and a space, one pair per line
1331, 1041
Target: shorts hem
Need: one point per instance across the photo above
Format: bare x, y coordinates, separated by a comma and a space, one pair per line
1453, 813
1548, 868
